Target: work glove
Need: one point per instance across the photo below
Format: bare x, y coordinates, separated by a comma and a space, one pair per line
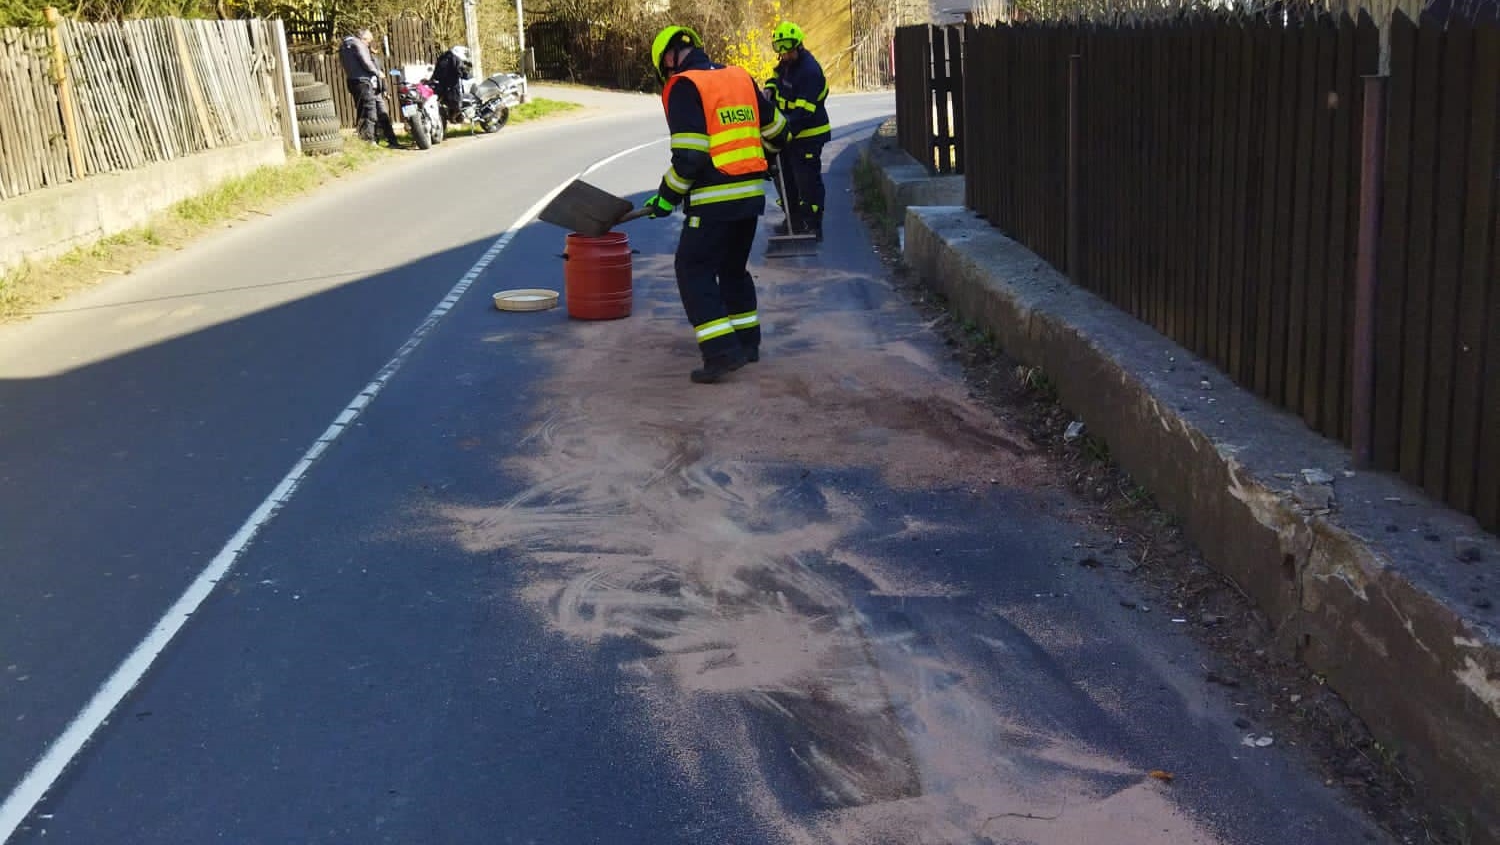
658, 206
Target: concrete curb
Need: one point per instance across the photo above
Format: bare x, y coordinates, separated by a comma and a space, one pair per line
1368, 593
47, 223
903, 181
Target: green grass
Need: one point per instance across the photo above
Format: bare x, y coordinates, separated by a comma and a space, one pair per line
31, 285
539, 108
535, 110
867, 193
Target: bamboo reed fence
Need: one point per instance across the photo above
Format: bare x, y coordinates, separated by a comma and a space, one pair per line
89, 98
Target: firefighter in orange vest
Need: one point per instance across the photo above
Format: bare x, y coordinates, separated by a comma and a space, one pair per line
721, 127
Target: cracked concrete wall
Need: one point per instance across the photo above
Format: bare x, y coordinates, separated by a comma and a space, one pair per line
1381, 619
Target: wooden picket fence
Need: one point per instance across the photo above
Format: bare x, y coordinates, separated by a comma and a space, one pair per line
33, 148
409, 40
930, 102
1243, 184
93, 98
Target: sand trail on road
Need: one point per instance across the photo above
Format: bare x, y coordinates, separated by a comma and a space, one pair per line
704, 523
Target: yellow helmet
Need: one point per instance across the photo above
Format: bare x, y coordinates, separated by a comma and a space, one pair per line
672, 36
786, 36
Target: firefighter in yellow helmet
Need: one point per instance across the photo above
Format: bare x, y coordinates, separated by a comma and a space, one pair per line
799, 90
721, 128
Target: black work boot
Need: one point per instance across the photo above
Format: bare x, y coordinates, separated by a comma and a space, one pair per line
813, 225
717, 366
752, 354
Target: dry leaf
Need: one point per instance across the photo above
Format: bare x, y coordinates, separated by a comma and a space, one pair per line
1161, 775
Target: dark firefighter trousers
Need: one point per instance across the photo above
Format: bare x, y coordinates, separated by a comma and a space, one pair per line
715, 285
802, 173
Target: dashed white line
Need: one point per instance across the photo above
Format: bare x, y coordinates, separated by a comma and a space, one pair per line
45, 772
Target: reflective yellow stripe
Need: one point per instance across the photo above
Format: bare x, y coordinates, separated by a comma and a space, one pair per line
772, 129
732, 191
747, 320
690, 141
815, 131
728, 136
738, 155
713, 329
675, 182
803, 104
823, 95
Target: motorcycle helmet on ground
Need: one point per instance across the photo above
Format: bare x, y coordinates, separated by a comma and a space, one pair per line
671, 38
786, 36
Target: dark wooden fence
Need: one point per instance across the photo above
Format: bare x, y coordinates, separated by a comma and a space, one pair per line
1437, 349
1210, 186
576, 51
929, 110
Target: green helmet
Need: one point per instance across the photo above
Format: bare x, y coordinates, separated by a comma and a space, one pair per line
672, 36
786, 36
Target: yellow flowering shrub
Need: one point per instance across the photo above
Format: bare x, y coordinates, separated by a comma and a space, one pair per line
750, 45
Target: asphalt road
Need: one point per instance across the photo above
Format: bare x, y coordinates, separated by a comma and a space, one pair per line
468, 576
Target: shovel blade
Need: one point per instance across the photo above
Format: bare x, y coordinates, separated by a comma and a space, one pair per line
585, 209
791, 246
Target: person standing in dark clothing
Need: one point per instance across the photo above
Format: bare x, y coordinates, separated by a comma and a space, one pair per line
363, 77
721, 128
448, 73
800, 91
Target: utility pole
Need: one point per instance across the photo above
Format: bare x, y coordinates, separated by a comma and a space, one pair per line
521, 38
471, 36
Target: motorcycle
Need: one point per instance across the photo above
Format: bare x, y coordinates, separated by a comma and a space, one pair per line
419, 108
487, 103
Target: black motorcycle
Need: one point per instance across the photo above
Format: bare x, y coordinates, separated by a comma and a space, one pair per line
487, 103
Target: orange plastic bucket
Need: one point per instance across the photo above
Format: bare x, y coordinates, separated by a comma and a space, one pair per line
596, 276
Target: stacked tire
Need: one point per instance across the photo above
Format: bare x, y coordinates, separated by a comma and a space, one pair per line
317, 122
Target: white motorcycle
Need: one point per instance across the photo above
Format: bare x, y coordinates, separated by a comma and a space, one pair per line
419, 108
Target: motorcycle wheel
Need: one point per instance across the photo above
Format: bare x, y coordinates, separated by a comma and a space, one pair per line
495, 122
439, 132
419, 134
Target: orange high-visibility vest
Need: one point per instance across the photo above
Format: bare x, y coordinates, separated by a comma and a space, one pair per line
731, 110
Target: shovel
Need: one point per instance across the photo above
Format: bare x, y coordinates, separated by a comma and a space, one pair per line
790, 245
587, 210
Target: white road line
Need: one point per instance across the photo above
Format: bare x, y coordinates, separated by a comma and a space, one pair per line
95, 714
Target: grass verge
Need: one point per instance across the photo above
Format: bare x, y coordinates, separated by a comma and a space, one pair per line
537, 109
31, 286
25, 288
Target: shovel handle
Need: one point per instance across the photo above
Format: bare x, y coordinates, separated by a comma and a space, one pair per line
634, 214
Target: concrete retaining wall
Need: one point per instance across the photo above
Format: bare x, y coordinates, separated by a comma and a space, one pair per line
50, 222
904, 182
1368, 591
